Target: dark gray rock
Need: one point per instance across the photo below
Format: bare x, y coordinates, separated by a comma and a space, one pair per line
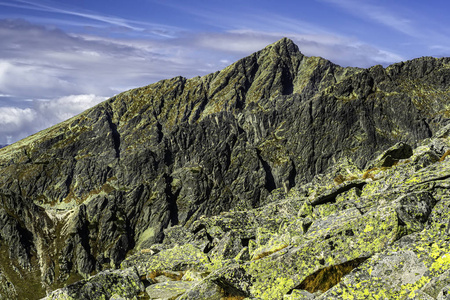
105, 285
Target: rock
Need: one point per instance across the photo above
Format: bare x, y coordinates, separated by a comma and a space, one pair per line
437, 284
444, 132
392, 156
162, 278
413, 210
7, 289
179, 258
444, 294
168, 290
106, 284
190, 275
299, 295
205, 290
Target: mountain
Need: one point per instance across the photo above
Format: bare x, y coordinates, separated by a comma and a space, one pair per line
270, 166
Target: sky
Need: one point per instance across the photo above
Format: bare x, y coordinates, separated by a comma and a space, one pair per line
60, 57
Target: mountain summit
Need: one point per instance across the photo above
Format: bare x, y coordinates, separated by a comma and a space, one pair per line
152, 169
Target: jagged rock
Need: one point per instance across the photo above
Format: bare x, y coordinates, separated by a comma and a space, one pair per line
444, 132
104, 285
190, 275
437, 284
299, 295
390, 236
162, 278
205, 290
179, 258
168, 290
392, 156
7, 289
413, 210
444, 294
276, 142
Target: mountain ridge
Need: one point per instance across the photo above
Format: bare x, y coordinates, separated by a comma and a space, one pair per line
82, 195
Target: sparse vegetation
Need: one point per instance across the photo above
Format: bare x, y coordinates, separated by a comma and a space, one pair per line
339, 179
267, 253
226, 295
176, 276
447, 153
328, 277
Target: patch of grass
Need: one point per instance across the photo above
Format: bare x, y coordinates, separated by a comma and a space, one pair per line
339, 179
27, 283
326, 278
368, 174
175, 276
227, 295
267, 253
233, 298
372, 172
447, 153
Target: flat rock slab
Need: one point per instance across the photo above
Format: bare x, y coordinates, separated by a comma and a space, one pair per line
168, 290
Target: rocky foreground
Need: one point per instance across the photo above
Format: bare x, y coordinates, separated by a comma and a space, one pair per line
280, 177
379, 233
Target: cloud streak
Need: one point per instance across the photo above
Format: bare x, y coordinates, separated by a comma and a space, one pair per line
140, 26
39, 62
416, 27
366, 10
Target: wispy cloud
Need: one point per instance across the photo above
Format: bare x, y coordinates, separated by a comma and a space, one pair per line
41, 62
257, 19
375, 12
86, 16
422, 30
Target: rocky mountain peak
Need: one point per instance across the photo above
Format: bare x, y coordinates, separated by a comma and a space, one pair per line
283, 47
158, 166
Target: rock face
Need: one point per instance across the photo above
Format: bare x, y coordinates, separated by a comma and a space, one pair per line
265, 179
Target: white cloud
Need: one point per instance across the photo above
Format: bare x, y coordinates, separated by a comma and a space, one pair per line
17, 123
64, 108
12, 118
40, 62
28, 79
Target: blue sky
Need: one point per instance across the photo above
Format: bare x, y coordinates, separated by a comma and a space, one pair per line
60, 57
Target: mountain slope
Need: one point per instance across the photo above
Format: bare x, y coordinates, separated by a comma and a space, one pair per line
80, 196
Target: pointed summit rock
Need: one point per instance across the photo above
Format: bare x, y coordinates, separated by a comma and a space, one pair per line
79, 197
285, 47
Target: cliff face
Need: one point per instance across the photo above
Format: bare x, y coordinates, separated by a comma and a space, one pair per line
79, 197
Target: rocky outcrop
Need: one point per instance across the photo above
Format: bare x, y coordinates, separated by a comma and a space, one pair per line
118, 284
154, 165
384, 233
